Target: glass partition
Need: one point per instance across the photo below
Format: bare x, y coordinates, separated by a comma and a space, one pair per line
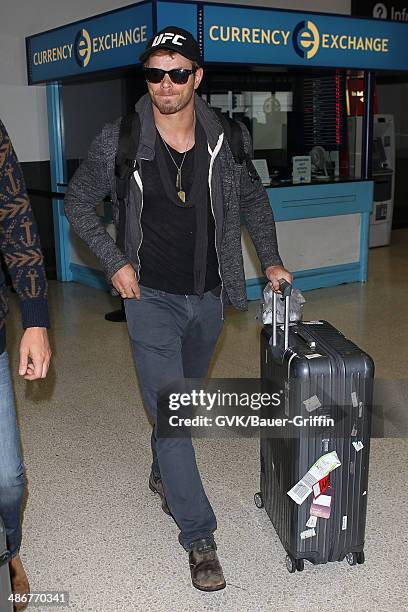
298, 121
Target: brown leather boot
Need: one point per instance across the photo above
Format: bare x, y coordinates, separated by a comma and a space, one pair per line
206, 570
19, 581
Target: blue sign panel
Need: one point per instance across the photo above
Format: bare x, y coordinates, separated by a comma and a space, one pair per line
265, 36
228, 34
108, 41
181, 14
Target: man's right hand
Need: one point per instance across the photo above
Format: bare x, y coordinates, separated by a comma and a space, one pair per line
125, 282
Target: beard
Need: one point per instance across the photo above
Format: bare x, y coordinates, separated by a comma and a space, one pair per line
170, 105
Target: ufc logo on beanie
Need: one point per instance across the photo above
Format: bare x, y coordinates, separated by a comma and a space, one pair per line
168, 37
173, 38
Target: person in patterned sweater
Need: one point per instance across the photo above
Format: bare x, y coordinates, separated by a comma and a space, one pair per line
20, 246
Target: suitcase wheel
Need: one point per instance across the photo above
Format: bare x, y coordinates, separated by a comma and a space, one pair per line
258, 500
300, 565
290, 564
360, 557
351, 558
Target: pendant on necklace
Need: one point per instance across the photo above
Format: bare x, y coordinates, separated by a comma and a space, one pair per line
180, 191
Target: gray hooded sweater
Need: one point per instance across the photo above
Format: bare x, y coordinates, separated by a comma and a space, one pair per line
232, 194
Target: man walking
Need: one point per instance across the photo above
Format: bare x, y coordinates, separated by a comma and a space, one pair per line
19, 243
180, 260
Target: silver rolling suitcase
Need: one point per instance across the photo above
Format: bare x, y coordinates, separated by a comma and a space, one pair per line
320, 371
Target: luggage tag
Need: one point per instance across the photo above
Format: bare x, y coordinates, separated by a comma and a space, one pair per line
321, 486
321, 468
321, 505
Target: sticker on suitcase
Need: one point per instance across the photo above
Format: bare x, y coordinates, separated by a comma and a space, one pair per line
312, 403
323, 466
358, 445
312, 322
312, 522
309, 533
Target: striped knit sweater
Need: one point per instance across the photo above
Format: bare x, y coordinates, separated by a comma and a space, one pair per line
19, 244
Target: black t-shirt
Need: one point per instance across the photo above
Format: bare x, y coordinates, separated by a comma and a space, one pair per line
167, 251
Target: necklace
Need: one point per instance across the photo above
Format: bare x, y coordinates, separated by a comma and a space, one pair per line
180, 191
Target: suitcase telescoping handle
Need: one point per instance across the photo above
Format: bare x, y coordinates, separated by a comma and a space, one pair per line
286, 290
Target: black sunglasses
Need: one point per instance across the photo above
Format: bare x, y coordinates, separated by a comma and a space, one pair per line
179, 76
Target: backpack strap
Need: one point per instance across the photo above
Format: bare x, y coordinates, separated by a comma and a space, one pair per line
125, 165
235, 139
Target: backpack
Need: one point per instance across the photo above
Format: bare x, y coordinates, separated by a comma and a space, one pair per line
126, 163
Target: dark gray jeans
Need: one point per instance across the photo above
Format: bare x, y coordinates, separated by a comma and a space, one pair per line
173, 337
